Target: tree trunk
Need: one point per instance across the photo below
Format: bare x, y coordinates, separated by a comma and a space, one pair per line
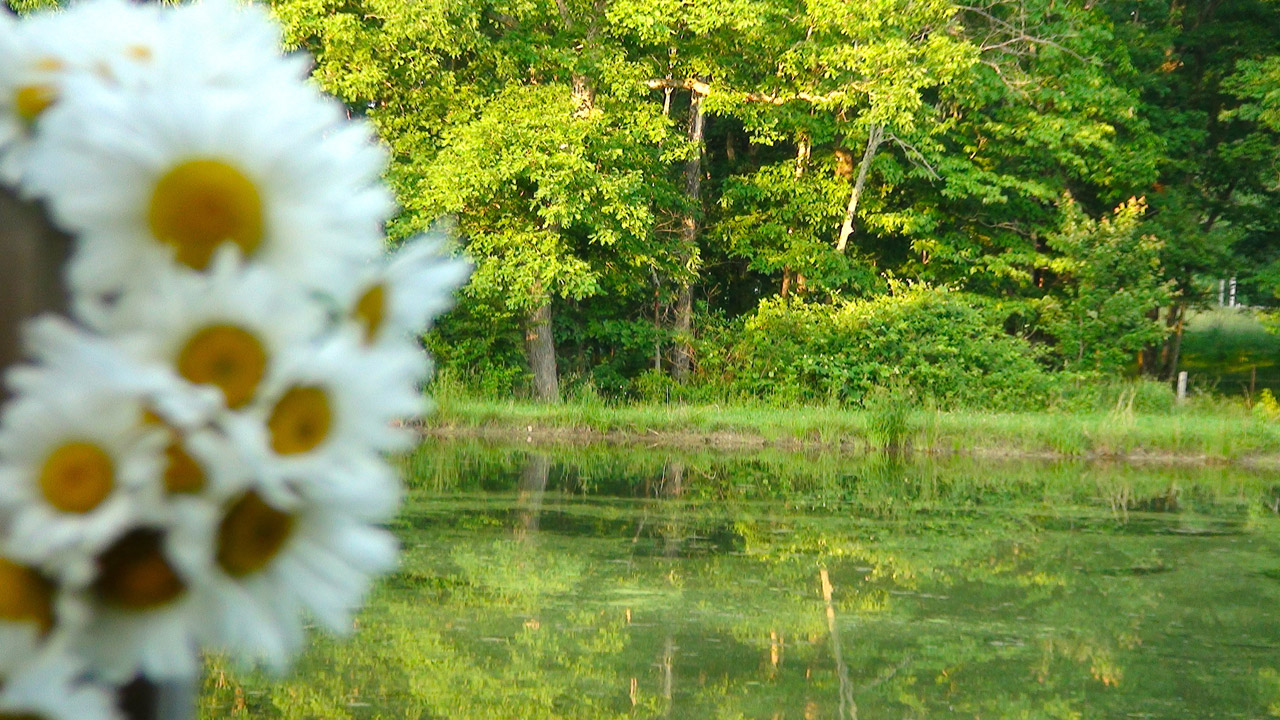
541, 350
689, 236
873, 143
1179, 313
804, 148
793, 281
657, 323
848, 708
1149, 356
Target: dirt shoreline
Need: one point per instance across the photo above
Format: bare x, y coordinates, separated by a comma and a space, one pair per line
741, 441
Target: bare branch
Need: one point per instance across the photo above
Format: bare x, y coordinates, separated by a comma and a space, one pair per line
1018, 35
916, 157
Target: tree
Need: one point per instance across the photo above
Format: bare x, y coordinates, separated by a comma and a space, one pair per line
537, 189
1113, 277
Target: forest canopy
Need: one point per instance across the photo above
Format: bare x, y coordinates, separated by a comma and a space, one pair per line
644, 184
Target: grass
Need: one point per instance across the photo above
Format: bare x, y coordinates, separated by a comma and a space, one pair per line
1222, 348
1204, 429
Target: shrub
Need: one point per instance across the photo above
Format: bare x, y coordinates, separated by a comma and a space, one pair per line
1266, 407
940, 344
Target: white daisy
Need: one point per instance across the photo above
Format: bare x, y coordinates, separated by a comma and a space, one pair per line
113, 42
35, 612
65, 355
201, 464
76, 468
143, 598
403, 296
172, 173
323, 422
30, 83
51, 686
276, 561
227, 329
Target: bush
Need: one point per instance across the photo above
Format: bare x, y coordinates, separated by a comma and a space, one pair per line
940, 344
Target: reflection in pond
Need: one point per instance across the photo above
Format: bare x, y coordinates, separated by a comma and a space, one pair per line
599, 583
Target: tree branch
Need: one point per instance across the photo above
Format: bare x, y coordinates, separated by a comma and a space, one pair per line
703, 88
916, 157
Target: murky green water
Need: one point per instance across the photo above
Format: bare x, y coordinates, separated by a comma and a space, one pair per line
605, 584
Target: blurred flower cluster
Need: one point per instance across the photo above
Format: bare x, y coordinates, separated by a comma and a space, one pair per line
194, 455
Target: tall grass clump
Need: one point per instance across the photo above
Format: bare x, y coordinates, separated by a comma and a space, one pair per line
889, 412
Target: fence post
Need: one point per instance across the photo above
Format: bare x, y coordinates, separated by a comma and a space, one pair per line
1182, 386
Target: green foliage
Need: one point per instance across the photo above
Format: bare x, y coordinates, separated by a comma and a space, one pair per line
556, 135
1093, 392
1112, 276
781, 219
537, 187
944, 345
1257, 82
1229, 349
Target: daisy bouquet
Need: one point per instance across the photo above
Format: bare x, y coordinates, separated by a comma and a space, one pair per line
193, 453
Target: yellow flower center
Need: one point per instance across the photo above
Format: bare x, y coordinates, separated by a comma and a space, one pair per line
300, 421
77, 477
251, 535
226, 356
141, 53
133, 574
25, 595
182, 474
370, 311
49, 63
29, 101
201, 204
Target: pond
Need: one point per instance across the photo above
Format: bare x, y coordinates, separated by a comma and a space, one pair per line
603, 583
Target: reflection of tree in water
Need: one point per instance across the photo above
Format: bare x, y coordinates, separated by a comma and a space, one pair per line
671, 488
692, 587
533, 485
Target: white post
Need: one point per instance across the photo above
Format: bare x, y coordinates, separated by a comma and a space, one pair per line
1182, 386
1232, 302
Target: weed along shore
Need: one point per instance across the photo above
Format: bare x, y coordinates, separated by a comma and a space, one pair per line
1225, 433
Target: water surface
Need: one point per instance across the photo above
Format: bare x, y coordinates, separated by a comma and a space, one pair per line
602, 583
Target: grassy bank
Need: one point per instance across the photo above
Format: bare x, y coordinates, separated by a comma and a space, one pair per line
1200, 431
